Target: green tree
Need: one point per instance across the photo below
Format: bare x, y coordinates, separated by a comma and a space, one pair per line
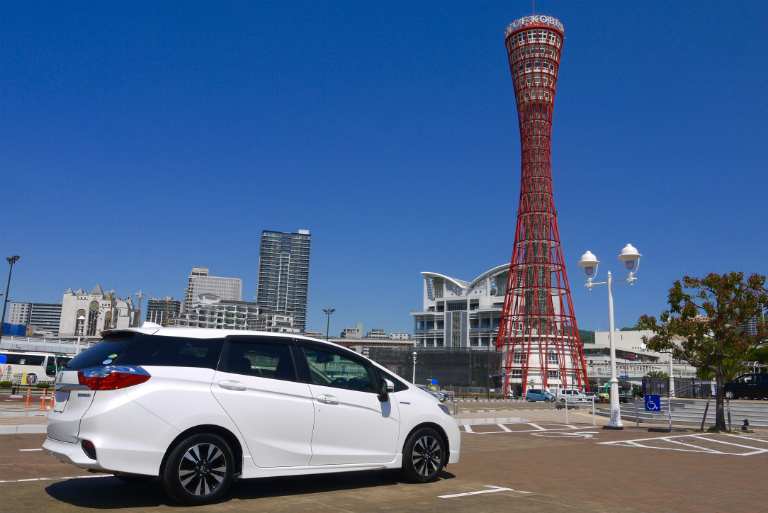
657, 374
703, 324
759, 355
731, 370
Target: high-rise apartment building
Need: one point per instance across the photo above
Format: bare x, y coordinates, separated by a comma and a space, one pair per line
284, 274
201, 282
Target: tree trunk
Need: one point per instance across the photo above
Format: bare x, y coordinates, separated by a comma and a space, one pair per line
719, 402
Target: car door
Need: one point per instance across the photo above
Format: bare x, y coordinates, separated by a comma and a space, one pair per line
256, 384
352, 424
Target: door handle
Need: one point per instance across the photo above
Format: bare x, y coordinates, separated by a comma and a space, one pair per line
327, 399
232, 385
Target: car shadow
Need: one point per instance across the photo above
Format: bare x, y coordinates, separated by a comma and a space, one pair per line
108, 493
111, 493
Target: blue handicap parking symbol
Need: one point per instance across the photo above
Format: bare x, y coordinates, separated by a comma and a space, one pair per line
652, 403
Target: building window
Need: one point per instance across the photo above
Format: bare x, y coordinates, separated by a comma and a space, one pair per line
553, 357
518, 358
517, 373
554, 374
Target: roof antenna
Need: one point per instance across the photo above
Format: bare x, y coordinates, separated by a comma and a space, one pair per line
534, 6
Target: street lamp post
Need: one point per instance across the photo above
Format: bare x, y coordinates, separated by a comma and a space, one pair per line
11, 260
328, 312
588, 263
414, 368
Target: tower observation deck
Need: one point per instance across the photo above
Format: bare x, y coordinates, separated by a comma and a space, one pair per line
538, 332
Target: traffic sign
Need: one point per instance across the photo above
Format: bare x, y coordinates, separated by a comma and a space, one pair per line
652, 403
623, 377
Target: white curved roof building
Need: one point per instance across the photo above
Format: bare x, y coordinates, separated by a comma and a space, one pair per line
459, 313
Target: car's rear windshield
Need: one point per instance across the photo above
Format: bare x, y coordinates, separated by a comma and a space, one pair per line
148, 350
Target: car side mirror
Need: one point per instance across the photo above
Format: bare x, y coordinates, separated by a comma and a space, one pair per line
385, 387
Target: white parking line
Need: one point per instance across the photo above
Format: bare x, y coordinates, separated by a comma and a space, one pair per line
646, 443
493, 489
538, 429
30, 450
55, 478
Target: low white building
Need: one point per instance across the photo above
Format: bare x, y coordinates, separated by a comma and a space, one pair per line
633, 359
208, 311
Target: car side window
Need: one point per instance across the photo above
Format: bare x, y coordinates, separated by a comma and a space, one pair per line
333, 369
260, 359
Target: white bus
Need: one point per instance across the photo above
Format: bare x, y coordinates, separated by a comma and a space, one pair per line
29, 368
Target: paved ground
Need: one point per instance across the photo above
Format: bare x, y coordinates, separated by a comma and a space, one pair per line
514, 457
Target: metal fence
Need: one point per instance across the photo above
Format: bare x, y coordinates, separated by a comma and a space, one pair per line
688, 388
451, 367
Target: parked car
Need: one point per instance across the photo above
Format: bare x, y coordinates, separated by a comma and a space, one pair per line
753, 386
570, 395
202, 407
537, 394
440, 396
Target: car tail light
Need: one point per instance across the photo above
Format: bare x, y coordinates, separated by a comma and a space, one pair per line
112, 378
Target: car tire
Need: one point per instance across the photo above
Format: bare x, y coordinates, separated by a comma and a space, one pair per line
133, 478
730, 395
199, 470
423, 456
529, 399
562, 400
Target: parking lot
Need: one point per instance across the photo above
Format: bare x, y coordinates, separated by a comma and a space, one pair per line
528, 461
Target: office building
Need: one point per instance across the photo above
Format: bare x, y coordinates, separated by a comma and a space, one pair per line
201, 282
42, 319
284, 274
163, 311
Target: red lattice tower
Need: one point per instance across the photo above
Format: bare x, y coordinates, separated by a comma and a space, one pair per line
538, 330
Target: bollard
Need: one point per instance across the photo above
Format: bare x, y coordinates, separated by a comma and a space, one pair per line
50, 406
42, 401
29, 393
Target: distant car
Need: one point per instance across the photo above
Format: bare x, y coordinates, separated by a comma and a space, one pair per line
570, 395
592, 395
441, 396
537, 394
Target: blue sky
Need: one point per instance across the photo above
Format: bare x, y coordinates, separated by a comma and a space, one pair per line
140, 139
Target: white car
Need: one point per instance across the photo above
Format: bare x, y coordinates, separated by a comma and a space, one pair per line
202, 407
570, 395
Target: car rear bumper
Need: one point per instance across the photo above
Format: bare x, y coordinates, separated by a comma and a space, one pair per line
70, 453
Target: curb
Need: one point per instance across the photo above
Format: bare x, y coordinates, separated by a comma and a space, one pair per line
22, 430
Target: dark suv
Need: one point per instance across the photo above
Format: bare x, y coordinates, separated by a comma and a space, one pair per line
754, 386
